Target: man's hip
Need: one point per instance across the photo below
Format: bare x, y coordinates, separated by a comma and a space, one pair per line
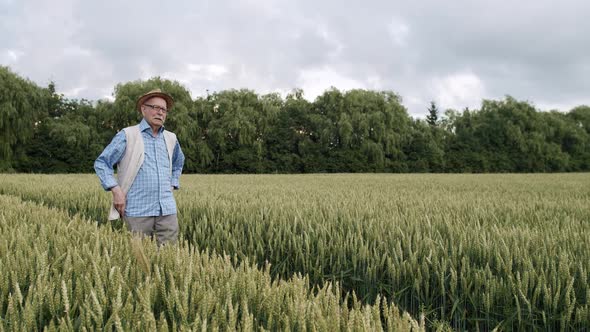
164, 228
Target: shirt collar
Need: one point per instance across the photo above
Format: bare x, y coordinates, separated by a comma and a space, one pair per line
143, 126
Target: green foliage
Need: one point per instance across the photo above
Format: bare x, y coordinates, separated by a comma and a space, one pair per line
20, 102
512, 136
239, 131
432, 117
425, 151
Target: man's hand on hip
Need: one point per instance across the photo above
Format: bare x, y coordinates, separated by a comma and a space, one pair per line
119, 200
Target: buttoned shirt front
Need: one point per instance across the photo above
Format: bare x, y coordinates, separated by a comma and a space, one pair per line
151, 191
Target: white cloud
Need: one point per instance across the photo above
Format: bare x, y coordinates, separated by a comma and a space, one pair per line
209, 72
455, 52
11, 56
76, 51
147, 70
399, 32
458, 90
374, 82
75, 92
544, 106
315, 81
416, 105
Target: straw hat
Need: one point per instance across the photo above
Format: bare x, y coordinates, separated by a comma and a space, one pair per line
155, 93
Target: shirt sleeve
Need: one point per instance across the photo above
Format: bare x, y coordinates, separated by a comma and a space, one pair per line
111, 156
177, 164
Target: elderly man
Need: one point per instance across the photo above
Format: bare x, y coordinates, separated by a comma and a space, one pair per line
149, 163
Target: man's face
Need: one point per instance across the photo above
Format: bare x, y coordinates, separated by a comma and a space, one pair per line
152, 110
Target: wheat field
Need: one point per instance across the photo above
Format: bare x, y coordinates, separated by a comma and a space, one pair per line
303, 252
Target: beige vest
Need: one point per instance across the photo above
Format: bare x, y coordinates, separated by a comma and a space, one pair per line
132, 160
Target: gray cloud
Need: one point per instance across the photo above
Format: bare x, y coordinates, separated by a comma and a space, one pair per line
455, 53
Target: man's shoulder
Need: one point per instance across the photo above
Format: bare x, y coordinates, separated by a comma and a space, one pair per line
131, 132
169, 133
134, 127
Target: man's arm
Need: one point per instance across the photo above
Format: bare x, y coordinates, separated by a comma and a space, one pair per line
111, 155
103, 166
177, 164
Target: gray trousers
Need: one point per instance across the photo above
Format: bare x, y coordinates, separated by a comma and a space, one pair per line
165, 228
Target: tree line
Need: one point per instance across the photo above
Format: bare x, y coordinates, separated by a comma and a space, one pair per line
240, 131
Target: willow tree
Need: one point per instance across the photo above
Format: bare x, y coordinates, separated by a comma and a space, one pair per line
21, 104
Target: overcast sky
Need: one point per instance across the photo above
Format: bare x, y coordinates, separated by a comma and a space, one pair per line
453, 52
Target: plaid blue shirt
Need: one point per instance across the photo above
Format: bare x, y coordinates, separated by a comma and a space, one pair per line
151, 191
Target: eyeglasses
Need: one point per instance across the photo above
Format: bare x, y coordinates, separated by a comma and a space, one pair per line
156, 108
